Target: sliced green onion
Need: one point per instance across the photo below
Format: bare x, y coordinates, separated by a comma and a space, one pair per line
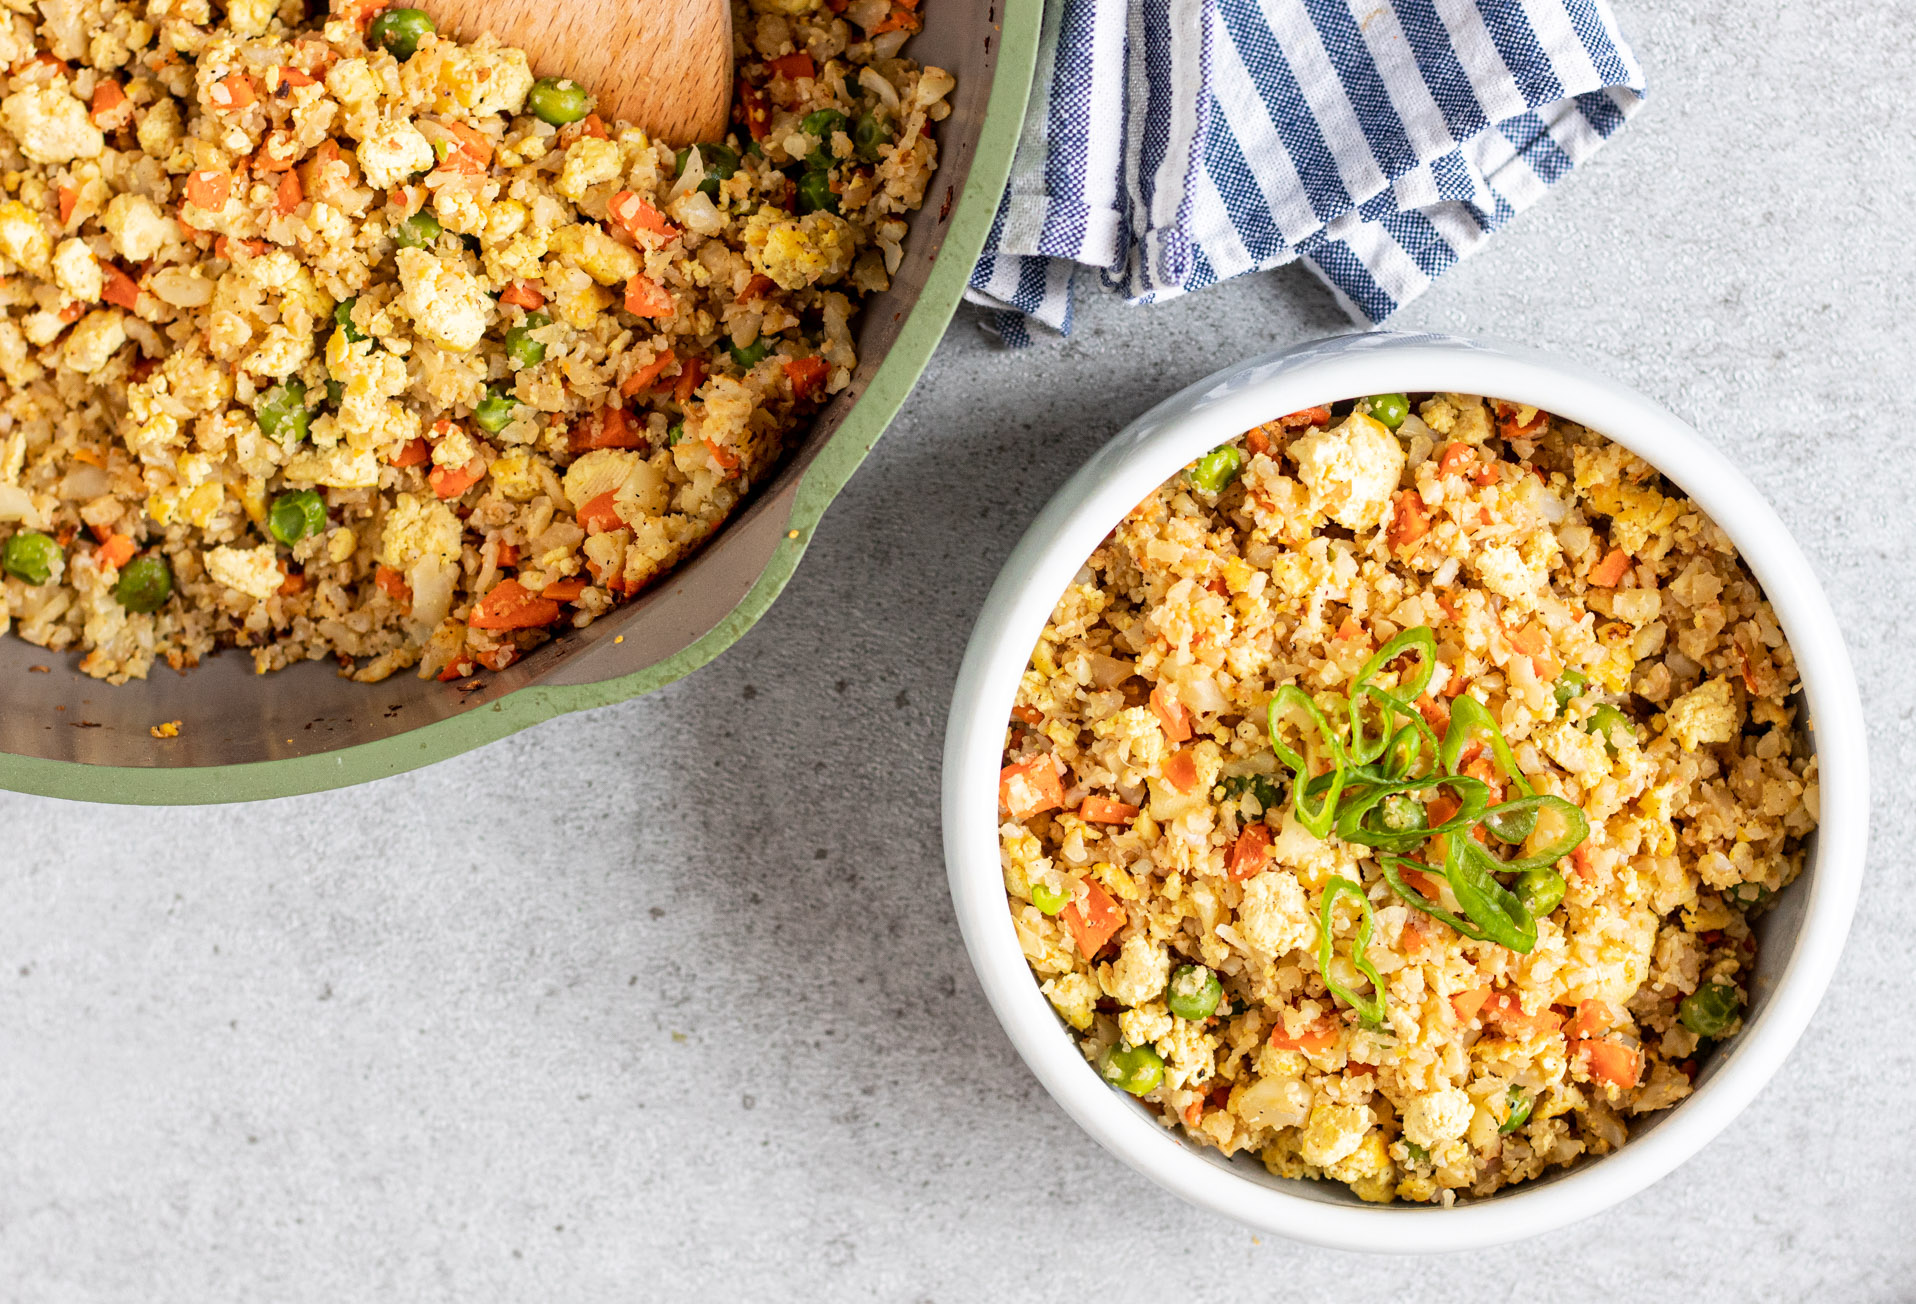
1520, 1107
1605, 721
1423, 642
1318, 819
1492, 906
1369, 1008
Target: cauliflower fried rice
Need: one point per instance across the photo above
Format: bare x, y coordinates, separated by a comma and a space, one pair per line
1332, 990
328, 336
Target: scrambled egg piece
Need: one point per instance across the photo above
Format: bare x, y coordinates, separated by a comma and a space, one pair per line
1705, 714
1139, 974
1351, 470
97, 337
339, 467
253, 571
446, 303
22, 239
588, 163
137, 226
394, 151
1334, 1132
421, 540
798, 251
1438, 1116
1075, 997
51, 126
77, 271
1274, 916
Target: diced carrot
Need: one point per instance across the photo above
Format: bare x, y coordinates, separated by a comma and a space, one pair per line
648, 375
107, 96
794, 66
1310, 416
1257, 441
524, 294
1453, 457
691, 376
727, 460
1314, 1040
645, 297
1613, 1062
69, 197
458, 668
294, 582
233, 91
1171, 715
505, 555
1484, 475
606, 427
1193, 1112
1032, 715
600, 516
451, 481
1528, 640
897, 20
564, 590
1609, 572
807, 375
289, 195
1435, 713
1582, 864
1594, 1017
1508, 1011
1425, 885
1350, 629
1102, 810
635, 214
593, 126
117, 551
755, 113
500, 657
118, 289
208, 189
415, 452
473, 143
1409, 522
1030, 786
1510, 427
755, 287
394, 586
1181, 770
294, 77
407, 199
1467, 1004
1251, 853
1092, 918
511, 605
72, 312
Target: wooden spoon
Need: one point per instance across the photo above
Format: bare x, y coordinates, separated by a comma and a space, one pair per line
665, 65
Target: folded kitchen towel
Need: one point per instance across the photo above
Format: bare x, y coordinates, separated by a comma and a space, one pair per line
1171, 144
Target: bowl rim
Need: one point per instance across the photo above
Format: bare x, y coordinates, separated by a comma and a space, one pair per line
1015, 30
1149, 451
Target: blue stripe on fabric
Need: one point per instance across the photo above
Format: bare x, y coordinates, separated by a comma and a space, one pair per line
1031, 284
1068, 128
1347, 272
1588, 24
1156, 138
1600, 111
1290, 113
1534, 143
1444, 76
981, 274
1523, 56
1244, 202
1426, 245
1363, 85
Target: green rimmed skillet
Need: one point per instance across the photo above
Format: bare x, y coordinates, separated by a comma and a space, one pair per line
245, 736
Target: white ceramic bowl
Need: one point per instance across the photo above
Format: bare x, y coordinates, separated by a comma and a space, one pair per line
1799, 940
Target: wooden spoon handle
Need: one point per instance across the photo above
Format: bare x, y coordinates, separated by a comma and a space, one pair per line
663, 64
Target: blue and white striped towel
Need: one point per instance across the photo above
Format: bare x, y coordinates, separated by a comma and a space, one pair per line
1172, 144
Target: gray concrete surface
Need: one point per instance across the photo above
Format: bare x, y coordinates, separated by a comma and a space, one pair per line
666, 1001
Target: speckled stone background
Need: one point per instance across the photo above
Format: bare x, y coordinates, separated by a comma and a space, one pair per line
666, 1001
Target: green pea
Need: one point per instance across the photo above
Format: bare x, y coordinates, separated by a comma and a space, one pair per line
494, 412
676, 432
558, 100
29, 556
1403, 813
815, 193
418, 231
1418, 1155
293, 516
1136, 1069
1389, 410
400, 31
1570, 684
335, 391
343, 318
1605, 721
752, 354
145, 584
1540, 891
821, 124
1521, 1103
281, 412
868, 133
521, 349
1194, 992
720, 161
1711, 1009
1216, 469
1049, 900
1748, 894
